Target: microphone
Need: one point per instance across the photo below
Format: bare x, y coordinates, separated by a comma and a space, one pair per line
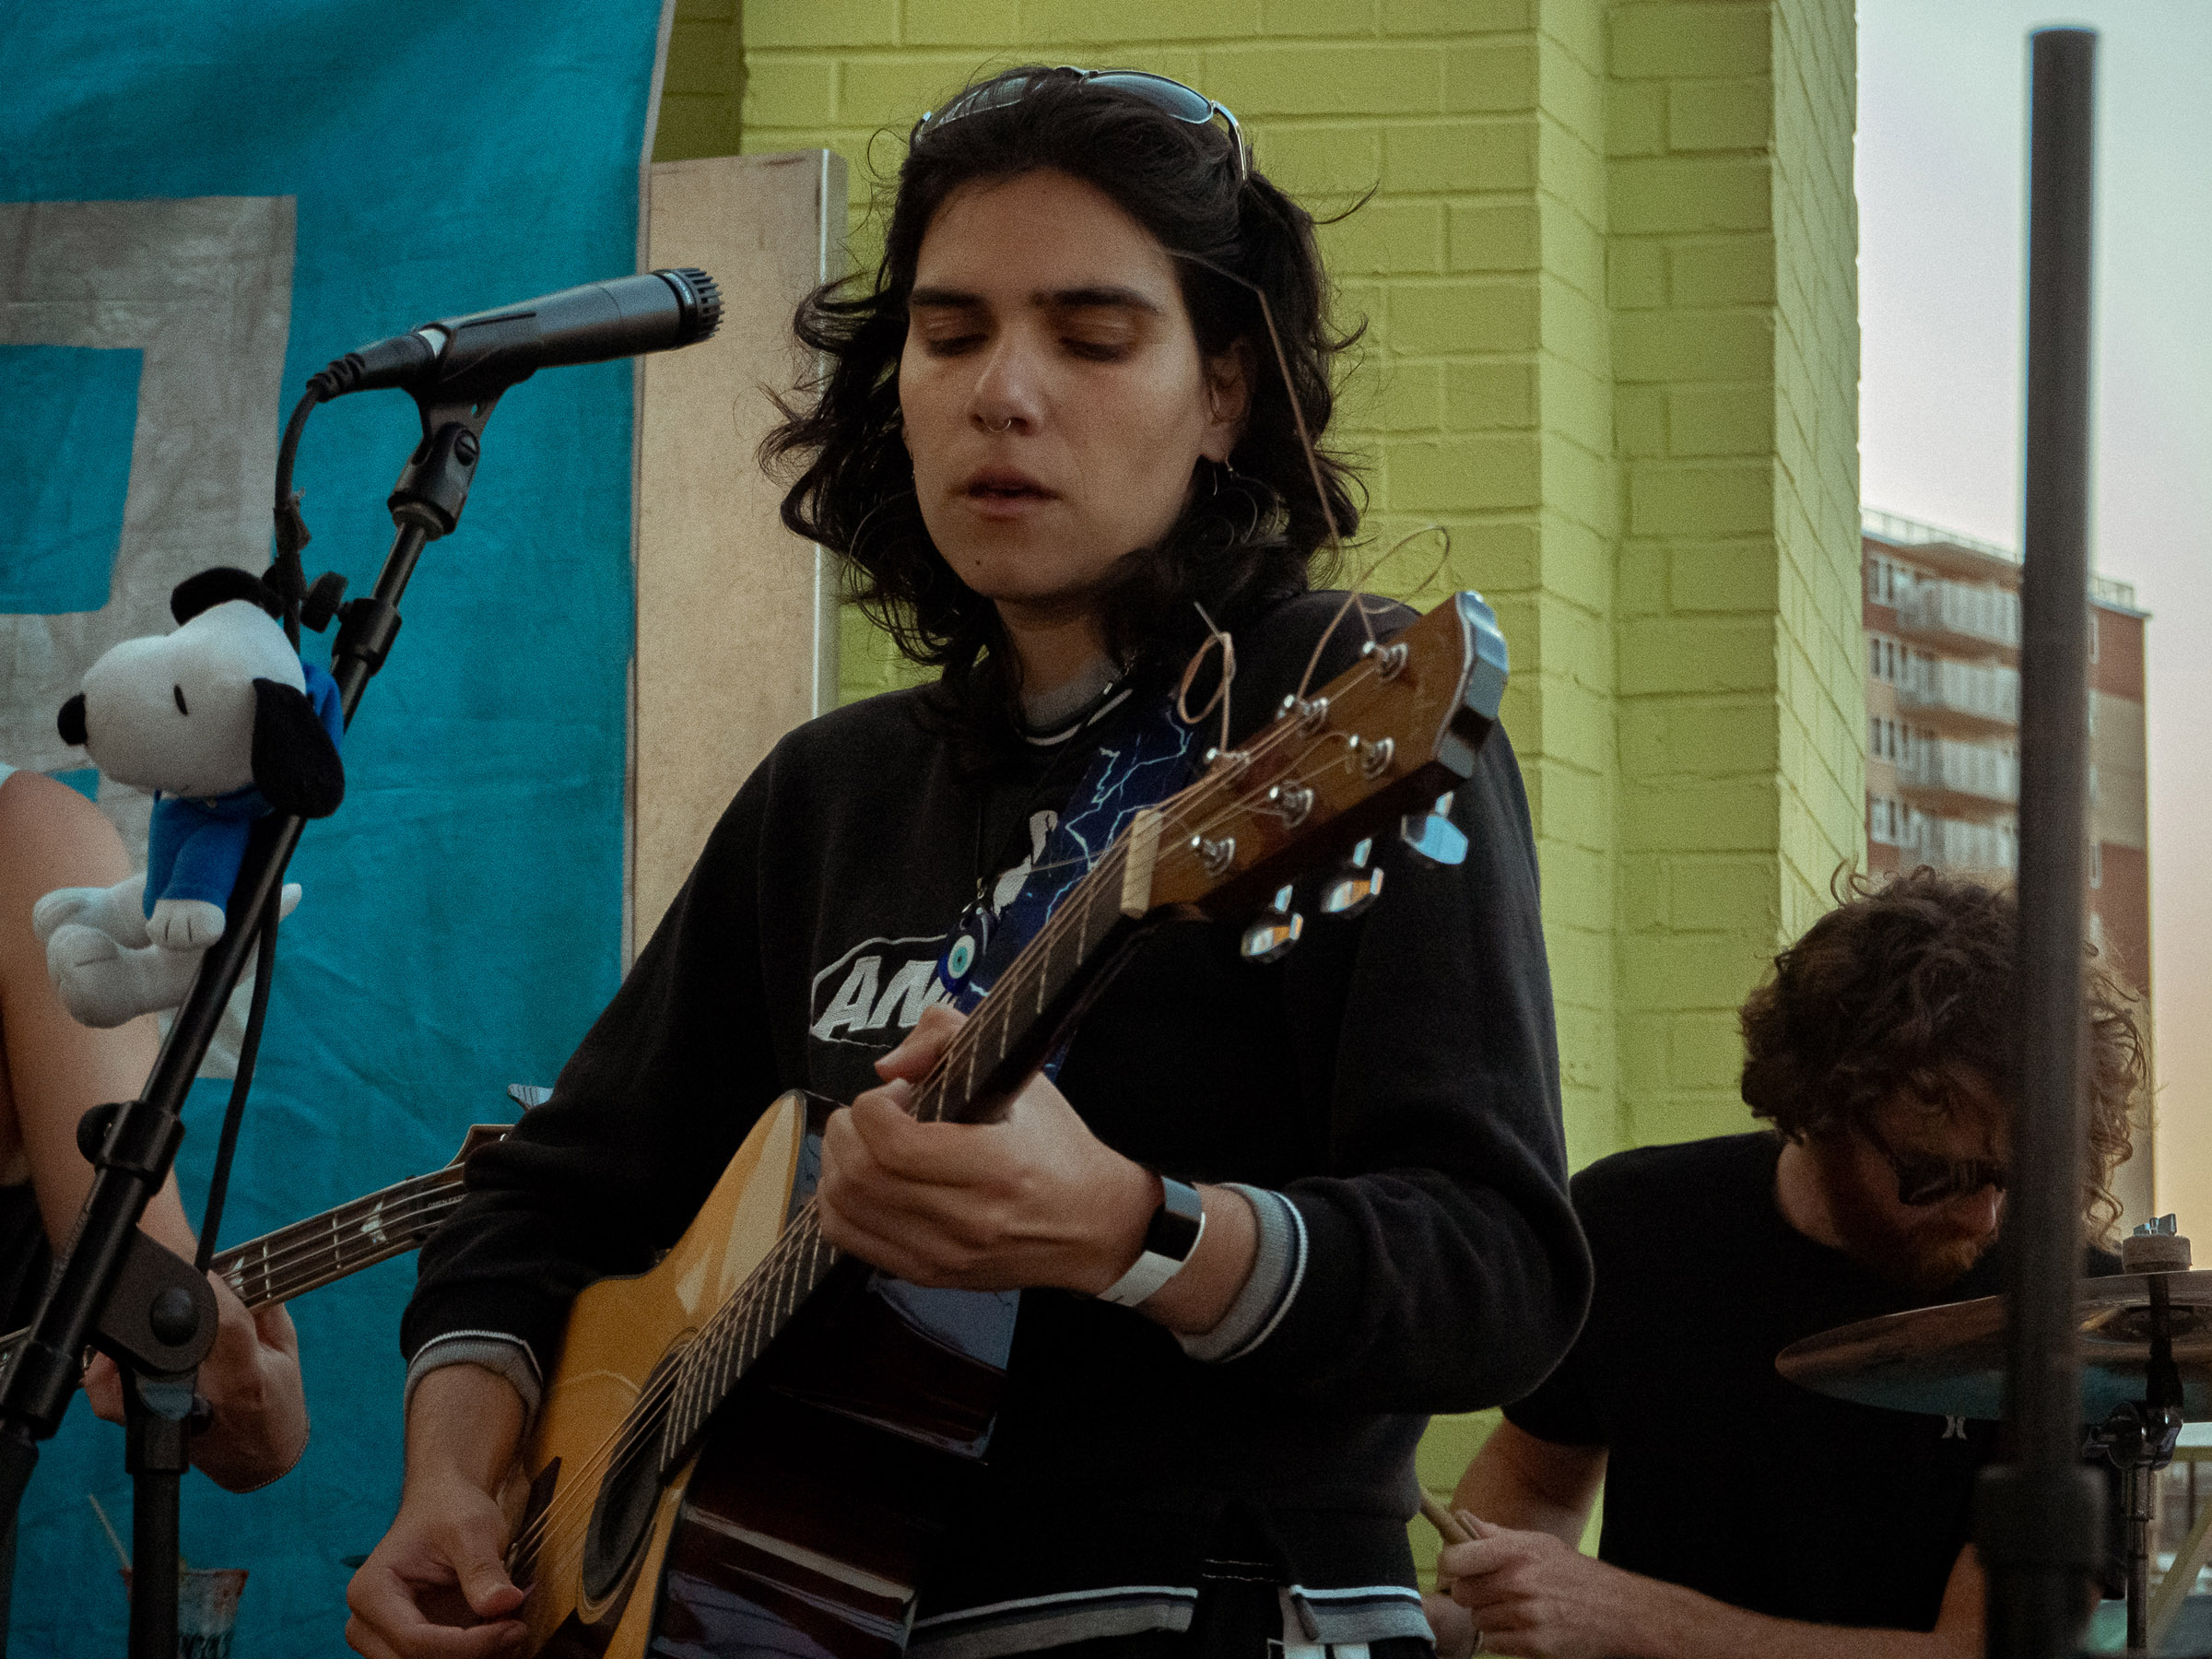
486, 352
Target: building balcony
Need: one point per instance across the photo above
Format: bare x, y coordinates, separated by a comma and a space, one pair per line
1986, 692
1949, 843
1979, 771
1975, 613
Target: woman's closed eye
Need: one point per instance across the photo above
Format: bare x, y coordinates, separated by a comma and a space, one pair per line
950, 342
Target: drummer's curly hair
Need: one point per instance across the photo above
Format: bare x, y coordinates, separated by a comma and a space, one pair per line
1907, 980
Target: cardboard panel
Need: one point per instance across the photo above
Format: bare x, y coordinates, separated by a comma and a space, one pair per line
736, 617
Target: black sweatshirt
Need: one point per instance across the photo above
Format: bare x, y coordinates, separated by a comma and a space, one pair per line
1396, 1078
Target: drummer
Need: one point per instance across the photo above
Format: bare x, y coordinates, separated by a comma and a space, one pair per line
1743, 1515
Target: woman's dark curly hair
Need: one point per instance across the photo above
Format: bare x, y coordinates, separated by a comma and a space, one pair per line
1251, 533
1904, 984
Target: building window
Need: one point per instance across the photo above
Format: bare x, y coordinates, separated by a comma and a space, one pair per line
1886, 659
1884, 820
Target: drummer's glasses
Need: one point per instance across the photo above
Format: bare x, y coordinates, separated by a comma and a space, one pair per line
1172, 97
1923, 1180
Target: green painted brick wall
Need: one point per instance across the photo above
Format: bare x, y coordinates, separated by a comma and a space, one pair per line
1607, 272
1736, 367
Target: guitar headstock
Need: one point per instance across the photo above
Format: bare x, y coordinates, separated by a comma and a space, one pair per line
1380, 741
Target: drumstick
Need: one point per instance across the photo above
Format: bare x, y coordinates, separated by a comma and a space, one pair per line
1446, 1524
1447, 1528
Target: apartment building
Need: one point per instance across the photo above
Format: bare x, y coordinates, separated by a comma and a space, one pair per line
1943, 710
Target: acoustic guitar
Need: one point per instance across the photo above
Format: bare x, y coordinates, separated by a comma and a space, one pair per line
746, 1448
326, 1248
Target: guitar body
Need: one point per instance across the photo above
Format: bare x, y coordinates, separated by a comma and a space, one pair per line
801, 1524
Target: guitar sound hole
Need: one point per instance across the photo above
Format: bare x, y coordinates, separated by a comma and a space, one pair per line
623, 1514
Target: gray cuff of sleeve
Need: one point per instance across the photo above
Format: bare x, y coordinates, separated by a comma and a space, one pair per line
503, 1355
1276, 1272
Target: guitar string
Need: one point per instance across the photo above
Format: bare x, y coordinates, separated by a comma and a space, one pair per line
759, 1295
322, 1239
646, 1416
1023, 976
259, 1293
646, 1413
1261, 746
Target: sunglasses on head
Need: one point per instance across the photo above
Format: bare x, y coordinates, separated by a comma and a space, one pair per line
1923, 1180
1169, 97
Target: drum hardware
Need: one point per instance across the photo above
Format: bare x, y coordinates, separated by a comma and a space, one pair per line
2145, 1344
2138, 1437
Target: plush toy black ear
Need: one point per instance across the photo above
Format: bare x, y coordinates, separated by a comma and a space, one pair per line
72, 721
219, 586
296, 766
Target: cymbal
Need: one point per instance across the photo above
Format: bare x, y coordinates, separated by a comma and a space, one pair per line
1949, 1360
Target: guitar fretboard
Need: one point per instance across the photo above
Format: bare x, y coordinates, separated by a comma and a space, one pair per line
324, 1248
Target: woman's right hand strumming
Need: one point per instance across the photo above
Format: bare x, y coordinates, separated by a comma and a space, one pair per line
437, 1586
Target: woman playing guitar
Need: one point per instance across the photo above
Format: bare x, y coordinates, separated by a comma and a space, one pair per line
1051, 435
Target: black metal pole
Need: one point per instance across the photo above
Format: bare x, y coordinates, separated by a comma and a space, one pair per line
2040, 1525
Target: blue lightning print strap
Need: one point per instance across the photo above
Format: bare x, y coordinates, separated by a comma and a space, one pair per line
1147, 761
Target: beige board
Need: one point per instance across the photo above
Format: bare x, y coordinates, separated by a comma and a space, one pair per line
736, 617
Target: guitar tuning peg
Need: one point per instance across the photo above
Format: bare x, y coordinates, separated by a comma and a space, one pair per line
1355, 885
1273, 931
1432, 837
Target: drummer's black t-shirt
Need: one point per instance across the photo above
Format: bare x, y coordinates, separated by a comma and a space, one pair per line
1720, 1474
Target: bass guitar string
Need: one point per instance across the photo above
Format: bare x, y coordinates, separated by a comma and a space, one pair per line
405, 1216
262, 1291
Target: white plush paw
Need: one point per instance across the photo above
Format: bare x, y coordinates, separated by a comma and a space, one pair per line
118, 911
74, 947
287, 900
185, 923
103, 985
60, 908
89, 975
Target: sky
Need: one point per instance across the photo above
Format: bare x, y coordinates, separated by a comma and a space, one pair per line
1941, 182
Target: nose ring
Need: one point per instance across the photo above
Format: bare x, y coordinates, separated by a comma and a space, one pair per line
1005, 425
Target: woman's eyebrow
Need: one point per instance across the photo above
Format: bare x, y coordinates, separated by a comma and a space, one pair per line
950, 299
1126, 299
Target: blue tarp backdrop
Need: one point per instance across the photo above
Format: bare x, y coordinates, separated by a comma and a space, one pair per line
462, 918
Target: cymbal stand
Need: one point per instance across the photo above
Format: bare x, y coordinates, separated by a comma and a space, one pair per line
2139, 1437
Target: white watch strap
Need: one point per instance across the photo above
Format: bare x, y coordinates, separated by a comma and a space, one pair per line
1177, 1226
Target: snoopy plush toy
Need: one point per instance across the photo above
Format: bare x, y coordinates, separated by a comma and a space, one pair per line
224, 724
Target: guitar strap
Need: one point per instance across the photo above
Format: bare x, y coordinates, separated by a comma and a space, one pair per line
1146, 761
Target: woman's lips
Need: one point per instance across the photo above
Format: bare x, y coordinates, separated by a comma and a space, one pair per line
1003, 493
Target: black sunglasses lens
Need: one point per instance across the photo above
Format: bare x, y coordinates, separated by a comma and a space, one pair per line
1172, 97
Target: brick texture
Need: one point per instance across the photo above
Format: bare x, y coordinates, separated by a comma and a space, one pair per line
1735, 330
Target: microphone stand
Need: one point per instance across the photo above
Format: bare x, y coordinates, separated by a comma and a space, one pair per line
116, 1289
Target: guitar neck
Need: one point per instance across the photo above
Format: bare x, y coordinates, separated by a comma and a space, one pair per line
1044, 988
324, 1248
